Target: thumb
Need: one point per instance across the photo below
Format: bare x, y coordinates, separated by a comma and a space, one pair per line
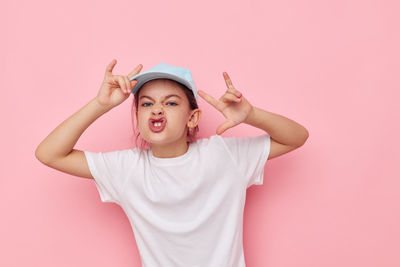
225, 126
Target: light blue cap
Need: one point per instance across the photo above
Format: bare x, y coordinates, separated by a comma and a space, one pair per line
164, 70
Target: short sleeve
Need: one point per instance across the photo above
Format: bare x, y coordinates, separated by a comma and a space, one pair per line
250, 155
107, 171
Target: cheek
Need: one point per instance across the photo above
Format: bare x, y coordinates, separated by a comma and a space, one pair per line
182, 119
140, 120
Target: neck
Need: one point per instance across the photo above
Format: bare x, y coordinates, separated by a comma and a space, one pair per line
170, 150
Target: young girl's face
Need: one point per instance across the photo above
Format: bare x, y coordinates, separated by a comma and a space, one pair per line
162, 98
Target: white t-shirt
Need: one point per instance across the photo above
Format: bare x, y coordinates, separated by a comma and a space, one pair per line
185, 211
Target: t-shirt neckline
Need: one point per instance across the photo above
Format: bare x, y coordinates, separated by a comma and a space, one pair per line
174, 160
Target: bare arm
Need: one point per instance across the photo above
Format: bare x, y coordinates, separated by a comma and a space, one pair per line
57, 149
58, 145
280, 128
286, 134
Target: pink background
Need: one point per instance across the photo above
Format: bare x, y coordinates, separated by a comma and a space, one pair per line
332, 66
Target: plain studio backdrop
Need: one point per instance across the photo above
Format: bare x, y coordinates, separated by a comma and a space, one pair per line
332, 66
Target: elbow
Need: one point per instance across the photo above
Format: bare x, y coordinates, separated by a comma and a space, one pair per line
306, 135
304, 138
39, 155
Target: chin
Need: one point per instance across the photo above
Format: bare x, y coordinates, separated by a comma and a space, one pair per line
156, 138
158, 141
161, 138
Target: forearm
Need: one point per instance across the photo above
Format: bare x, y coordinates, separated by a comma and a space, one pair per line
280, 128
62, 139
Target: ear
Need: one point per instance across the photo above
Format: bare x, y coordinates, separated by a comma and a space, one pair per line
194, 118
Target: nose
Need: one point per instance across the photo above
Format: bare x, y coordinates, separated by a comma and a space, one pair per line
157, 110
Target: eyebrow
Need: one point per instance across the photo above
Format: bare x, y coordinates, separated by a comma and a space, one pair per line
168, 96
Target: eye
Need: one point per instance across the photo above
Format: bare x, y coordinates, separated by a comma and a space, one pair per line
143, 105
174, 104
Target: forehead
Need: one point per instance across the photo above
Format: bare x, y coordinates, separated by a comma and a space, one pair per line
161, 87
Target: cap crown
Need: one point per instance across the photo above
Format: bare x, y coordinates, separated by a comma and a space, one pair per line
165, 70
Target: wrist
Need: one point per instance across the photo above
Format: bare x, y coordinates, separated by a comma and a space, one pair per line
250, 116
99, 106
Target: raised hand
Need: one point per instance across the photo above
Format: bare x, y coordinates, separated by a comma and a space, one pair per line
232, 105
115, 89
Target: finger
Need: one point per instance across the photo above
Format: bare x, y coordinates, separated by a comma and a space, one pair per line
135, 71
230, 86
228, 97
211, 100
110, 67
133, 84
224, 126
234, 91
121, 83
228, 80
128, 84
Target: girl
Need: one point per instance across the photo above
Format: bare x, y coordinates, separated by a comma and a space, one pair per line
184, 198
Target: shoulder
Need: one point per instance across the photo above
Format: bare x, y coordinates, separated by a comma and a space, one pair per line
231, 140
215, 144
225, 140
127, 156
208, 141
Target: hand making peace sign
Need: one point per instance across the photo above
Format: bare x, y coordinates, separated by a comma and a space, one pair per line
232, 105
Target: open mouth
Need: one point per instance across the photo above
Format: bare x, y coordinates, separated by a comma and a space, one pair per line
157, 125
